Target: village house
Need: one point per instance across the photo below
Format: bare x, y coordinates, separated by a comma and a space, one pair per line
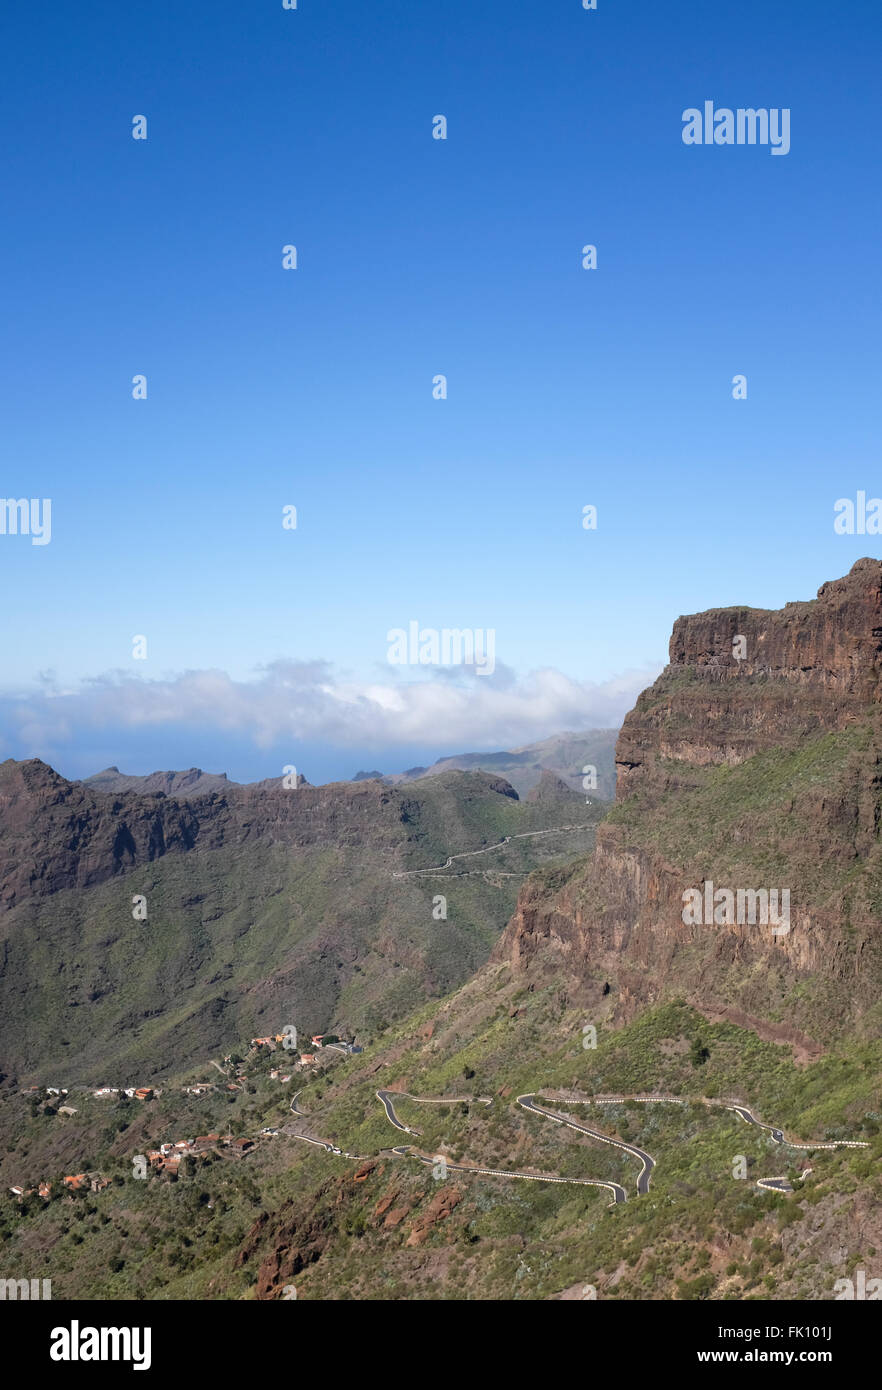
143, 1093
307, 1058
242, 1145
45, 1189
74, 1181
66, 1110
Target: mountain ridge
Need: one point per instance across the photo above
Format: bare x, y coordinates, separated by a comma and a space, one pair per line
564, 754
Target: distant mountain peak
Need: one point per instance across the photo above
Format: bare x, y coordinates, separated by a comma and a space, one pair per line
565, 756
192, 782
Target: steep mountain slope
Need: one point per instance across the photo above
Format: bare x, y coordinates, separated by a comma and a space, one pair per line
265, 906
757, 772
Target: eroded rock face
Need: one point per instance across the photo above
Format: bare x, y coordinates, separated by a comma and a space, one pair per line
283, 1245
439, 1208
810, 669
298, 1243
797, 670
56, 834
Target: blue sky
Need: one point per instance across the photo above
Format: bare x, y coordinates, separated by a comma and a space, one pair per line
416, 257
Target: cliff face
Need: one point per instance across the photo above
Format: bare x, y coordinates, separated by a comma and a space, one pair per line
744, 679
761, 770
56, 834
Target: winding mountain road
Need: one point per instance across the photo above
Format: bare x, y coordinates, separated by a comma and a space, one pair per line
405, 1151
438, 869
311, 1139
774, 1184
780, 1184
647, 1162
528, 1102
778, 1134
386, 1098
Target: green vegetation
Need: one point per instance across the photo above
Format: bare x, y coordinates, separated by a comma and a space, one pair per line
242, 940
702, 1232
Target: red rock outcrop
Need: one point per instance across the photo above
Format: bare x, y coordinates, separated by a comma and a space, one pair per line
440, 1207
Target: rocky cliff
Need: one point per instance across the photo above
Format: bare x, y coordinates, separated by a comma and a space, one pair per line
753, 763
56, 834
743, 679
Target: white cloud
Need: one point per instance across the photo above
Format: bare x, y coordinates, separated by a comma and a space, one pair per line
309, 701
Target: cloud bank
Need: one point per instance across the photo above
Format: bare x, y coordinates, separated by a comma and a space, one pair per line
309, 702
